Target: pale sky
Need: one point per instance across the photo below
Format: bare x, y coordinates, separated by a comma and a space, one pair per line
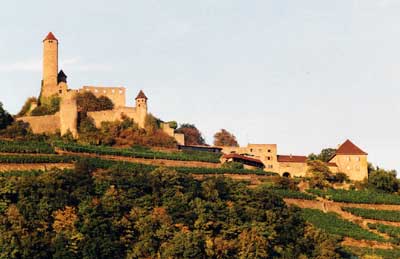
302, 74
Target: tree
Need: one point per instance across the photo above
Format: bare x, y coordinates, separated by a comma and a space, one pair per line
225, 138
88, 102
27, 106
192, 135
383, 180
325, 155
5, 118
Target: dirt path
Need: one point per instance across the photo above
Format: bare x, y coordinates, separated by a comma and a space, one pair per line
366, 244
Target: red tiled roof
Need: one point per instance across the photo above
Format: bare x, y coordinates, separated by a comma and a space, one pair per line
292, 159
141, 95
348, 148
50, 36
243, 157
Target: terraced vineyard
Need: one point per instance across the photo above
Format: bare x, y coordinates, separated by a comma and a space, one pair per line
392, 231
333, 224
140, 152
351, 196
387, 215
25, 147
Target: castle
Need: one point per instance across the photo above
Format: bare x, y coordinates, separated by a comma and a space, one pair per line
348, 159
54, 84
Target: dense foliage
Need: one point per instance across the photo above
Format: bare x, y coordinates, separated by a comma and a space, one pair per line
382, 253
353, 196
388, 215
5, 118
382, 180
25, 147
325, 155
115, 213
138, 152
192, 135
47, 106
124, 133
225, 138
27, 106
333, 224
88, 102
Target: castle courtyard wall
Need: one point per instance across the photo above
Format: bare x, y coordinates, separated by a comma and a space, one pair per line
113, 115
43, 124
115, 94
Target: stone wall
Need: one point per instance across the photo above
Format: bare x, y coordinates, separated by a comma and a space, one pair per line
294, 169
179, 137
113, 115
43, 124
69, 114
354, 166
116, 94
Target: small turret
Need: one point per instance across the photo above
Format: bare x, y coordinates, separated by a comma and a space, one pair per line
61, 77
141, 108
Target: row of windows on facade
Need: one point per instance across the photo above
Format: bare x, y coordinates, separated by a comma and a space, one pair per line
104, 91
260, 150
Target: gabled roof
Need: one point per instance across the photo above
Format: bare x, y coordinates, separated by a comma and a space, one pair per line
50, 36
292, 159
237, 156
61, 77
141, 95
348, 148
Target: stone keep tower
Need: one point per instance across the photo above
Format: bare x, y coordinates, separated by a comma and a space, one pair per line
50, 66
141, 108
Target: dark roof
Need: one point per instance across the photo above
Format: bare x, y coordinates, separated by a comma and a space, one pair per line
50, 36
292, 159
141, 95
348, 148
331, 164
61, 77
243, 158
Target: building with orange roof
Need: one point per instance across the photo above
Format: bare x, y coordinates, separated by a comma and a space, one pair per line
348, 159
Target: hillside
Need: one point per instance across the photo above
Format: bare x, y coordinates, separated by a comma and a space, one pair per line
66, 200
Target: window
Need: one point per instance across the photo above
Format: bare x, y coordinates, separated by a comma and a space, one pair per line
348, 158
269, 158
251, 150
269, 150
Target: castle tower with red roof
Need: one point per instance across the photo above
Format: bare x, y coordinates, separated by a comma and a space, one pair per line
50, 67
351, 160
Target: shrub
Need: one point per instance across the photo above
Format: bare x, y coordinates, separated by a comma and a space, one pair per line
27, 106
233, 165
47, 106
